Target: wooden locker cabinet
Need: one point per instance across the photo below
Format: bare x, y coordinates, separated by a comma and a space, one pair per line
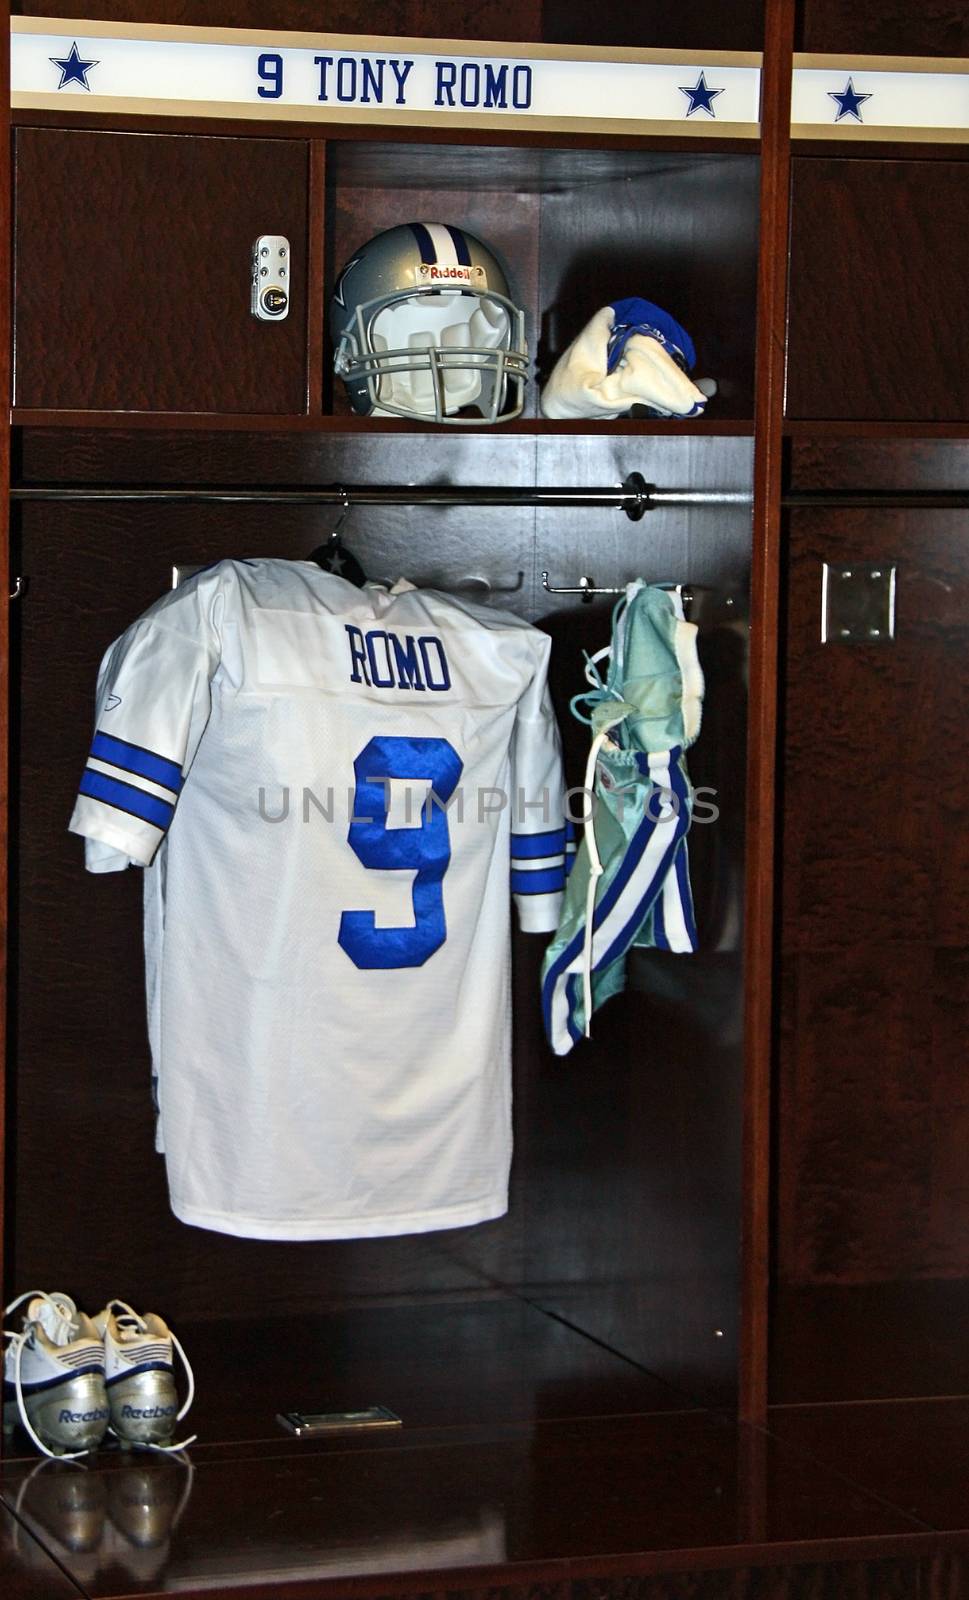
877, 283
132, 272
869, 1281
570, 1376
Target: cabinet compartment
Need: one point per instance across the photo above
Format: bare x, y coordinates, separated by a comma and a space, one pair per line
575, 228
624, 1217
877, 286
132, 273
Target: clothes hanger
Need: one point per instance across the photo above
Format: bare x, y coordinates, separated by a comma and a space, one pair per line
333, 556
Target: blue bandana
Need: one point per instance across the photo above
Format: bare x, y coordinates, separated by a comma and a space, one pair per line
642, 316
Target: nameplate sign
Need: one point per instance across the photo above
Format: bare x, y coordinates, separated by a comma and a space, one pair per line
161, 70
880, 97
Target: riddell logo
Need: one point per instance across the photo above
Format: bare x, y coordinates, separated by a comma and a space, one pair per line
446, 274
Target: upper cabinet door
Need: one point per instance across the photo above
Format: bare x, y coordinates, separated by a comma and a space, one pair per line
133, 272
877, 324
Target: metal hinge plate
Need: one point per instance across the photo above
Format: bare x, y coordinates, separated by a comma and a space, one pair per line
857, 603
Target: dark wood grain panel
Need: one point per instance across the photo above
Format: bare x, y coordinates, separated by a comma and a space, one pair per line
890, 28
876, 271
700, 27
479, 19
866, 824
136, 296
655, 25
823, 1352
906, 465
875, 915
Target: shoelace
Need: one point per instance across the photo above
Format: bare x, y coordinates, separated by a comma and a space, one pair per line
130, 1325
62, 1312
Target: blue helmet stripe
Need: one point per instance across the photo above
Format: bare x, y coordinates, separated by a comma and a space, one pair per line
460, 246
425, 243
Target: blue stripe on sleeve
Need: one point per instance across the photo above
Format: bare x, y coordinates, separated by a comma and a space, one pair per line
135, 758
550, 881
125, 797
532, 846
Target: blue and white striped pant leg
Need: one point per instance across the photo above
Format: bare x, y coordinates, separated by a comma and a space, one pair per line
631, 885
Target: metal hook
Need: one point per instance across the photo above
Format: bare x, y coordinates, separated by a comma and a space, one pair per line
19, 588
341, 519
585, 587
588, 589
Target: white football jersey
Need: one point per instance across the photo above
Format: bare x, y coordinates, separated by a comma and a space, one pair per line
329, 788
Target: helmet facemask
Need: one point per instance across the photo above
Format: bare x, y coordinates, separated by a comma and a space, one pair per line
429, 353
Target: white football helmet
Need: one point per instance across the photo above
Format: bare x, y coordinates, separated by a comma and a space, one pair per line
423, 325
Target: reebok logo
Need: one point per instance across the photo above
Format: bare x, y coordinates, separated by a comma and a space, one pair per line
100, 1415
146, 1412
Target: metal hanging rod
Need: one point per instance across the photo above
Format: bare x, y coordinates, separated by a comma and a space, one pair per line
634, 496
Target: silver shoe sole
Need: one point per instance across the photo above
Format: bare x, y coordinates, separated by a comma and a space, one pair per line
73, 1415
144, 1408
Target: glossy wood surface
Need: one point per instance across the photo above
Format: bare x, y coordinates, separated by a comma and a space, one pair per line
914, 1453
27, 1571
546, 1504
875, 269
468, 1359
160, 316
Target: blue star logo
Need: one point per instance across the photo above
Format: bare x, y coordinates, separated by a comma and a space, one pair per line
700, 97
848, 101
73, 69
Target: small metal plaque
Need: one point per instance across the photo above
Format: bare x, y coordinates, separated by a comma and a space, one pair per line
857, 603
313, 1424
